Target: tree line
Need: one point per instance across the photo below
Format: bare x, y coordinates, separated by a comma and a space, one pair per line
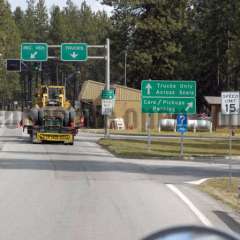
183, 39
180, 40
67, 25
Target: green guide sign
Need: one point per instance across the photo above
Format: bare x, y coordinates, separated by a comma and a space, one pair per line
170, 97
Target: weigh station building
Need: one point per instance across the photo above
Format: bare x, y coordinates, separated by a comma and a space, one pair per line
127, 106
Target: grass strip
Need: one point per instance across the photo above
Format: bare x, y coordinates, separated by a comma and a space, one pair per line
220, 190
170, 148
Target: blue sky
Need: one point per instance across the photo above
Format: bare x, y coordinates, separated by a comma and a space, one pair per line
95, 5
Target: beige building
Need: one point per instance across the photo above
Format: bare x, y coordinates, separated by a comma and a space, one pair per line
127, 105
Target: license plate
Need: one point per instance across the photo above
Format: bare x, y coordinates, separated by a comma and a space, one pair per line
54, 137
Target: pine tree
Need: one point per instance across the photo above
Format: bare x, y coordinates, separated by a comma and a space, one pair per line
57, 26
41, 21
149, 31
29, 22
9, 48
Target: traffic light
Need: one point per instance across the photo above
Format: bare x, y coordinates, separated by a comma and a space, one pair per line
13, 65
36, 66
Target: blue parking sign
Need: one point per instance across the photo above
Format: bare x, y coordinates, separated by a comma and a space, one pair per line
182, 123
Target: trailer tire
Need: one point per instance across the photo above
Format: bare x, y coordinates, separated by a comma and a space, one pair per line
72, 115
34, 115
66, 118
40, 117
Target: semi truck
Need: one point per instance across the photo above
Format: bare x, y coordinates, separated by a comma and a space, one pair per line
52, 118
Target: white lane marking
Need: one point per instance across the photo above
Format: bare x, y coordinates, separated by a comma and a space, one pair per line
194, 209
198, 182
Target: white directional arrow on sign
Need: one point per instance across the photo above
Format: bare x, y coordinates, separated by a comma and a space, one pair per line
33, 55
74, 55
148, 87
189, 105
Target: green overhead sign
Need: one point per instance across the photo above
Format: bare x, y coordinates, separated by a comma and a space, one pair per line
170, 97
74, 52
34, 52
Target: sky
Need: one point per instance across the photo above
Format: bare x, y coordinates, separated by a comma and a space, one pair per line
95, 5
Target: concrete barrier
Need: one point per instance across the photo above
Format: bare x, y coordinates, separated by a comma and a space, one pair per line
10, 118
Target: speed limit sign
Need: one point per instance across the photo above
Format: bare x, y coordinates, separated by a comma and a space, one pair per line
230, 103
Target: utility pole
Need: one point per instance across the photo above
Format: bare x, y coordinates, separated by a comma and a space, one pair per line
57, 72
125, 68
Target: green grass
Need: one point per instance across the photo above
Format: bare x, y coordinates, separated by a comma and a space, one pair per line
170, 148
220, 190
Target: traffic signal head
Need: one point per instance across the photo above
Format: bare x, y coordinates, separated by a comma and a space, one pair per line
13, 65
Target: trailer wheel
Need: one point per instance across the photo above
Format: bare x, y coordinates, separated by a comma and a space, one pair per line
66, 118
40, 117
72, 114
34, 115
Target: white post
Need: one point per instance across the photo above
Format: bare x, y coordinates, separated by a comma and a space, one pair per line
107, 82
181, 145
149, 132
125, 69
230, 156
108, 65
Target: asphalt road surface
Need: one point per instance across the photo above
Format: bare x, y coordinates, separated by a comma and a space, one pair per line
57, 192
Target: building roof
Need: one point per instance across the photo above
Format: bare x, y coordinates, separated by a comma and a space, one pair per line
91, 90
212, 100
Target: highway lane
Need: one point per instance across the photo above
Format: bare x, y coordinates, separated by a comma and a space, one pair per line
52, 191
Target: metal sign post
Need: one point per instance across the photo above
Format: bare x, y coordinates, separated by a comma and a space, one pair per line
107, 84
230, 102
181, 145
149, 132
182, 123
230, 157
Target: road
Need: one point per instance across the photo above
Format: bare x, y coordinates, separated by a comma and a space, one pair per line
57, 192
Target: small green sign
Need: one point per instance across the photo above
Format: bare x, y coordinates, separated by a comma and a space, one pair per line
33, 52
74, 52
108, 94
170, 97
